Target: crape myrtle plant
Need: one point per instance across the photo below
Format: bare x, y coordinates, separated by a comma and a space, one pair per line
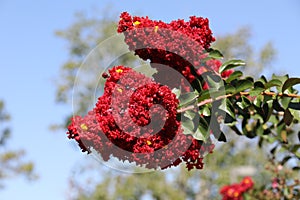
175, 115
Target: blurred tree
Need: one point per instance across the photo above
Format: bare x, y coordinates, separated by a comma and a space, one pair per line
177, 183
11, 161
81, 38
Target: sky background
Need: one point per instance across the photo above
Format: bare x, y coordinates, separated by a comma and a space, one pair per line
31, 56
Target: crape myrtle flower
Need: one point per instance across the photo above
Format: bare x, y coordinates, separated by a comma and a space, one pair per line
136, 120
236, 191
180, 45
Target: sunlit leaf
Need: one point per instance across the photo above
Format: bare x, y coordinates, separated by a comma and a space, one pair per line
231, 64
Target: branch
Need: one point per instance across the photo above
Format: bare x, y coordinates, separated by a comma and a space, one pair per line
207, 101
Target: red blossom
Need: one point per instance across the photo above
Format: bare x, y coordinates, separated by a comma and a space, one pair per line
236, 191
127, 123
180, 45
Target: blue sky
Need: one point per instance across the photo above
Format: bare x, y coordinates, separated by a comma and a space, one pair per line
31, 56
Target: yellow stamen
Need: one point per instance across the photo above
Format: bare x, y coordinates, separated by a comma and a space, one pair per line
119, 70
148, 142
84, 127
155, 29
120, 90
136, 23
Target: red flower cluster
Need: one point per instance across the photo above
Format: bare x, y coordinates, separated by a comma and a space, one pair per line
136, 121
179, 44
236, 191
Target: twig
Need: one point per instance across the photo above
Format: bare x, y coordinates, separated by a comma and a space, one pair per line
210, 100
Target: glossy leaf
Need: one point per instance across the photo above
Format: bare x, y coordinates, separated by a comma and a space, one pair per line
235, 75
226, 106
215, 82
272, 83
243, 85
214, 53
231, 64
281, 78
188, 126
205, 110
256, 91
189, 114
187, 98
289, 83
202, 132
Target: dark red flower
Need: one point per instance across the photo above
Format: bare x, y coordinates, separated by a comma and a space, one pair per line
180, 45
137, 121
236, 191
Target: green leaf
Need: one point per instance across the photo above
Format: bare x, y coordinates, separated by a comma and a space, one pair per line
294, 148
214, 53
262, 79
295, 114
211, 93
205, 110
215, 82
272, 83
188, 126
189, 114
268, 110
187, 98
288, 117
235, 75
285, 102
244, 103
256, 91
226, 106
205, 94
259, 84
285, 159
229, 89
243, 85
202, 132
281, 78
289, 83
258, 100
231, 64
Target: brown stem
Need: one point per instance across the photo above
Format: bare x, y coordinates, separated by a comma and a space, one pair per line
207, 101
